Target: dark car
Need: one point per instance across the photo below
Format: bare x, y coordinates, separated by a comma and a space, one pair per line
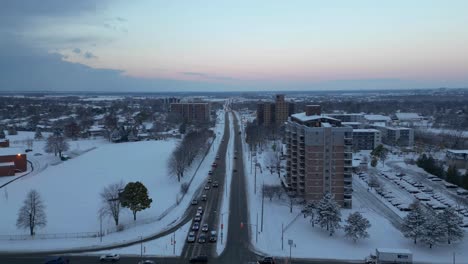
267, 260
202, 239
215, 184
204, 197
199, 259
57, 260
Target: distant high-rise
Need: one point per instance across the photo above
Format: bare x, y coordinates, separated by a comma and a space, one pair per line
192, 112
319, 156
274, 113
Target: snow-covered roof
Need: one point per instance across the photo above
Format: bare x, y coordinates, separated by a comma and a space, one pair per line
304, 118
376, 117
7, 164
407, 116
365, 130
393, 250
351, 123
458, 151
11, 151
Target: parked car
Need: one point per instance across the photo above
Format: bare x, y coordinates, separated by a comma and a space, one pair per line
204, 228
203, 197
191, 237
194, 202
213, 236
195, 226
109, 258
146, 262
28, 150
199, 259
57, 260
37, 154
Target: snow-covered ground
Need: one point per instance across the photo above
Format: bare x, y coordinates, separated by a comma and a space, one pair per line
313, 242
70, 191
224, 212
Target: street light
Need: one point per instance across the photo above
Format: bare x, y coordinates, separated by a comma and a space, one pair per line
222, 226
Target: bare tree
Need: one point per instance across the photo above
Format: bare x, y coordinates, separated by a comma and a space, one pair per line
32, 214
268, 191
56, 144
178, 162
110, 198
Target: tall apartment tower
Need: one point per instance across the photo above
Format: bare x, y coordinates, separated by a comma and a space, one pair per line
319, 160
274, 113
192, 112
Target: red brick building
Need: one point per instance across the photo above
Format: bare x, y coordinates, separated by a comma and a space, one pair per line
12, 160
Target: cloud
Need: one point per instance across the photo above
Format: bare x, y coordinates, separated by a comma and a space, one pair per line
89, 55
207, 76
77, 50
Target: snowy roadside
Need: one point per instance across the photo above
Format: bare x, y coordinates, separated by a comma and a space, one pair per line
224, 211
172, 218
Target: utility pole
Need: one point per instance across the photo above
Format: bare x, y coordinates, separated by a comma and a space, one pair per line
255, 184
256, 230
141, 247
173, 250
100, 226
263, 199
282, 236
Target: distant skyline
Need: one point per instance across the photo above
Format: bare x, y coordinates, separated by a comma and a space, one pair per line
153, 46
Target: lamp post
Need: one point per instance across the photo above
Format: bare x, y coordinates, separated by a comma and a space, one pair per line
222, 225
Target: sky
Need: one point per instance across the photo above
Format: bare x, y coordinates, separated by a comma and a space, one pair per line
241, 45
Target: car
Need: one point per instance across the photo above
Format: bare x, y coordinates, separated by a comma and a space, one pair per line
191, 237
197, 217
235, 170
214, 164
28, 150
199, 259
210, 172
203, 197
207, 187
204, 228
213, 236
200, 210
267, 260
37, 154
215, 184
147, 261
209, 180
217, 157
57, 260
202, 238
195, 226
235, 157
109, 258
194, 202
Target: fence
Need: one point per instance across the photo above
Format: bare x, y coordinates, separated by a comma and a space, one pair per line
50, 236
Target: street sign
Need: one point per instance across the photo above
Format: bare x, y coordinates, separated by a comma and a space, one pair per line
290, 242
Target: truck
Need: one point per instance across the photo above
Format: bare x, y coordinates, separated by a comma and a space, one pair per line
390, 255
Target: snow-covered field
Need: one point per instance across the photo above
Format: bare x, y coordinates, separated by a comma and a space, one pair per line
313, 242
70, 191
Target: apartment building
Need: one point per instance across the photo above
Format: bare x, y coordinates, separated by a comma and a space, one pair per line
274, 113
366, 139
319, 159
192, 112
397, 136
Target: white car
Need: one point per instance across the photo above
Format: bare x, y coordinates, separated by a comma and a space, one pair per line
109, 258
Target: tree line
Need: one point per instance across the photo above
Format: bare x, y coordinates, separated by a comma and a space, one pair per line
434, 167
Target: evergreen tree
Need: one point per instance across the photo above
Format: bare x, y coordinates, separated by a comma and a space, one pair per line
310, 211
329, 214
413, 223
356, 226
2, 134
433, 232
135, 197
452, 175
450, 223
373, 162
38, 134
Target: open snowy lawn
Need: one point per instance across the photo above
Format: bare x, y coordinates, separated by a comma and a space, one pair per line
313, 242
70, 190
71, 193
